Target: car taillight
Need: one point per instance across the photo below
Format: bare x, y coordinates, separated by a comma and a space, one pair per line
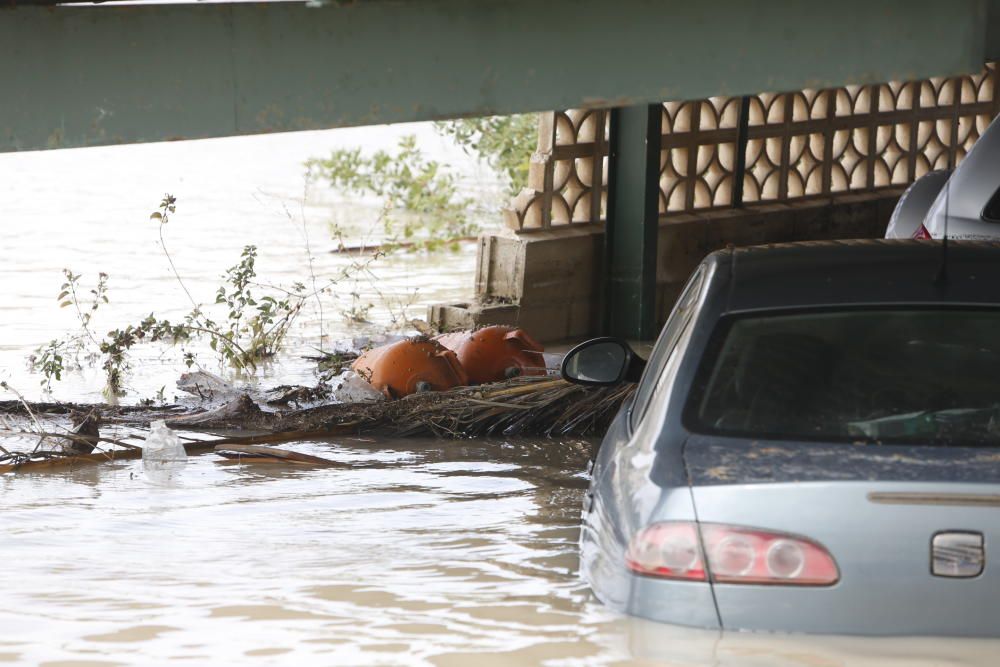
668, 549
922, 234
735, 555
749, 556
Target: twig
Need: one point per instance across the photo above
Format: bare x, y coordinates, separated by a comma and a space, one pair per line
75, 437
227, 339
495, 404
31, 413
164, 217
363, 248
84, 322
280, 454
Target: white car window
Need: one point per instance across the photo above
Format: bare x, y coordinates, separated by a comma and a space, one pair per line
665, 344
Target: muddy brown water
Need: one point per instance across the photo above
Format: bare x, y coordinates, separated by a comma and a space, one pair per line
423, 552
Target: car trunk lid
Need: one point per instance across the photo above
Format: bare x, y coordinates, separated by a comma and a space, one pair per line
878, 511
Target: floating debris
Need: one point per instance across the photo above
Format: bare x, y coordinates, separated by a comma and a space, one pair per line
352, 388
87, 428
206, 386
428, 382
264, 454
409, 366
239, 413
496, 353
520, 406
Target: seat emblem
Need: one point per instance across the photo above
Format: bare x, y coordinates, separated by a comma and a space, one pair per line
959, 554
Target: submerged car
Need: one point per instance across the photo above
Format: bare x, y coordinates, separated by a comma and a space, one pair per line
813, 446
964, 204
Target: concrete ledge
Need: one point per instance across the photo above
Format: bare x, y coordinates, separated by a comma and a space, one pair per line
455, 316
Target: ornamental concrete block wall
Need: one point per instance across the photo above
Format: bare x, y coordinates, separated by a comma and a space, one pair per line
732, 152
768, 168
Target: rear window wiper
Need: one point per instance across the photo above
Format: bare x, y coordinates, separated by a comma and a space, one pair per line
926, 424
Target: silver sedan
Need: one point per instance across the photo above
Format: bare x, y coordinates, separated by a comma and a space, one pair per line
965, 205
813, 446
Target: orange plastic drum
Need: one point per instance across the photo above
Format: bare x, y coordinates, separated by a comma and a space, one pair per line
492, 354
407, 366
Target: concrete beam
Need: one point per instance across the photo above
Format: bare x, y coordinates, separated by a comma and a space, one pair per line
992, 46
93, 75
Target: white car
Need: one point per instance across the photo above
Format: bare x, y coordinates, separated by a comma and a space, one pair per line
967, 203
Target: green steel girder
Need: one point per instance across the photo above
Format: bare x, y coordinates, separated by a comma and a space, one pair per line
93, 75
632, 221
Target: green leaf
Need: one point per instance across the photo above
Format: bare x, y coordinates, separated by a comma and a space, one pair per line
156, 215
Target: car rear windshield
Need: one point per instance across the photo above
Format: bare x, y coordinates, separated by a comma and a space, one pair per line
927, 376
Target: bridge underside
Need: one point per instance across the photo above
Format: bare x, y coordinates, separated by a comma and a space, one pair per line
95, 75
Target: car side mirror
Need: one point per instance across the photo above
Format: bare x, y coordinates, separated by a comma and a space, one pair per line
603, 362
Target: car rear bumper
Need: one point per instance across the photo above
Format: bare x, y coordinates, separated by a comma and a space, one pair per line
678, 602
881, 612
816, 611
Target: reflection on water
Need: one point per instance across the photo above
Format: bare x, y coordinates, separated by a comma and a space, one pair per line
423, 548
423, 552
164, 473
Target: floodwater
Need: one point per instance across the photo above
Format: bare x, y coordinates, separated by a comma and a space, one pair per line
88, 211
423, 552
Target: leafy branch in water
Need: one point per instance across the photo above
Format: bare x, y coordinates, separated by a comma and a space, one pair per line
505, 143
49, 359
253, 329
432, 212
255, 325
116, 345
167, 206
427, 196
69, 296
52, 358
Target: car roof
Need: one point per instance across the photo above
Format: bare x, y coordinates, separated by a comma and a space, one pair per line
859, 272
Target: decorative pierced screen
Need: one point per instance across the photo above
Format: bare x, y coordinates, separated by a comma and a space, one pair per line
808, 143
572, 148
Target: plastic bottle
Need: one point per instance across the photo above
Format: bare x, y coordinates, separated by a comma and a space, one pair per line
354, 389
162, 445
